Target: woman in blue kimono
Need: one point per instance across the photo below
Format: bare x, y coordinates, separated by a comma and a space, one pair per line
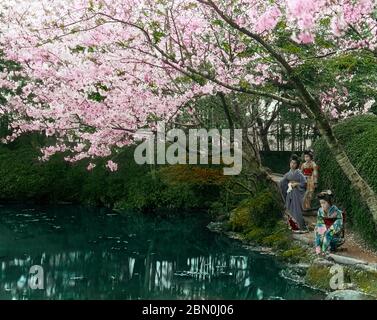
293, 187
329, 227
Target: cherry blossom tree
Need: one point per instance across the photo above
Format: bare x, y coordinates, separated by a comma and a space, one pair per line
98, 69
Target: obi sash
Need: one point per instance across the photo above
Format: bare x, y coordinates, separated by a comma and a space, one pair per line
329, 222
308, 171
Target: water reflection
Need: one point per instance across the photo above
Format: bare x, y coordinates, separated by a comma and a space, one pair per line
91, 254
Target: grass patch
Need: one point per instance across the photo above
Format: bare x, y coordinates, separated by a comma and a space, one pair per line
294, 254
319, 277
366, 281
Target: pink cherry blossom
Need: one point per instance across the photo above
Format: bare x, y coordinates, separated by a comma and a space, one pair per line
268, 20
112, 166
100, 70
90, 166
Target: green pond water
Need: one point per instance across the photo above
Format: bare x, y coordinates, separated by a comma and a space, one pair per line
100, 254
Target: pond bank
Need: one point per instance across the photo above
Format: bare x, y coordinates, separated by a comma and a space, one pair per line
358, 263
303, 266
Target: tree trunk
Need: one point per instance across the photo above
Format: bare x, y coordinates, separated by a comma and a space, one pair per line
264, 139
263, 134
278, 135
293, 137
306, 135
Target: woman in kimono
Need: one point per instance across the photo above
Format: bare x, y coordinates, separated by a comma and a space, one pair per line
329, 226
310, 170
292, 187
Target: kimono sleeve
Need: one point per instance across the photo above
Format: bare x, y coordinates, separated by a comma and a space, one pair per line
315, 173
320, 222
302, 180
284, 186
337, 226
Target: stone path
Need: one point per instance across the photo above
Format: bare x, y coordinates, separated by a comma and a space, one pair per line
353, 251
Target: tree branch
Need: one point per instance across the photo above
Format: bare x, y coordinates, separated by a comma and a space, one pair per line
276, 55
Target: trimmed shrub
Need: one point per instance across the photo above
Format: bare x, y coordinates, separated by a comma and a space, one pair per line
359, 138
261, 211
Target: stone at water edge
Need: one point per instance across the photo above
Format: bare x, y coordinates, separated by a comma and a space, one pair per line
348, 295
302, 237
215, 226
323, 262
301, 265
346, 260
367, 267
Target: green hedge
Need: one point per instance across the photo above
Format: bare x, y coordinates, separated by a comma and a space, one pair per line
358, 135
138, 187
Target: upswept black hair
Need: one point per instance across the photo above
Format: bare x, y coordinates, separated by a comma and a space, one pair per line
296, 158
310, 153
326, 195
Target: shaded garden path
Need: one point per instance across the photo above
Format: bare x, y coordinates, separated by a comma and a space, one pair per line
353, 251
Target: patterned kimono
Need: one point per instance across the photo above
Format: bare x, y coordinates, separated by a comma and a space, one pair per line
310, 171
294, 196
328, 229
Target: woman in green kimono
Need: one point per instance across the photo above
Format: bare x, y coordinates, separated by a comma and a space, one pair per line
329, 226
